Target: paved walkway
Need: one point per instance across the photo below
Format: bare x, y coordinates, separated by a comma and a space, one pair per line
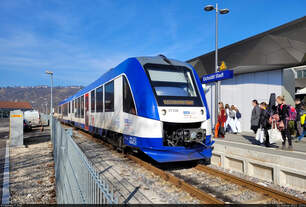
247, 139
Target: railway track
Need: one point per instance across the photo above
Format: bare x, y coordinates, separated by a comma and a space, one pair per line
193, 191
264, 194
267, 192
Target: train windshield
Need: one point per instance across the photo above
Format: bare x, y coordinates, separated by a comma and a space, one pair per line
173, 85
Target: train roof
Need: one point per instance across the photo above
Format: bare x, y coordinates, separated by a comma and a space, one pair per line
119, 69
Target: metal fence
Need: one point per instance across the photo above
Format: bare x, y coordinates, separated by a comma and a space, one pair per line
77, 182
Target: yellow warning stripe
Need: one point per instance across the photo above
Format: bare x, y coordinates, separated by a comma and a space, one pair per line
16, 115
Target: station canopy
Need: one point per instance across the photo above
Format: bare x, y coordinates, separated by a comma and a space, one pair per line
281, 47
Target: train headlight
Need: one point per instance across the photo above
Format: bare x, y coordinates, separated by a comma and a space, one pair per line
202, 111
193, 135
164, 112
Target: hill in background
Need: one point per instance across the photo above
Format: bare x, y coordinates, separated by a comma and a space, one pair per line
38, 96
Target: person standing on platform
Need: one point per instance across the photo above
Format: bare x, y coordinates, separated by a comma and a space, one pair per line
291, 120
219, 129
227, 109
299, 113
255, 116
237, 120
232, 119
264, 122
283, 113
303, 123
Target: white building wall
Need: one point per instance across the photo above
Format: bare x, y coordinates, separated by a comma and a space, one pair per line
243, 88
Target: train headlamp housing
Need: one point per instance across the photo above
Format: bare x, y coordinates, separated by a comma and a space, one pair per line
202, 111
163, 112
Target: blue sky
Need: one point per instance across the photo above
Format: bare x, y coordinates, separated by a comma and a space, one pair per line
80, 39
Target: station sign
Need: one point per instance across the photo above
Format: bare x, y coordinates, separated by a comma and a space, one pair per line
222, 75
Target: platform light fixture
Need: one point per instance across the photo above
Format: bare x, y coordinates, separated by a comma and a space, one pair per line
209, 8
224, 11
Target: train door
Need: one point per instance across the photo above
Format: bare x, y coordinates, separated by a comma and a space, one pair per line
86, 111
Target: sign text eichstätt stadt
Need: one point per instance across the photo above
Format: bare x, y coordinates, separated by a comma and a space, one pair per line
222, 75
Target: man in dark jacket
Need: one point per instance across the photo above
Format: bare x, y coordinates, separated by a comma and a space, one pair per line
299, 111
255, 116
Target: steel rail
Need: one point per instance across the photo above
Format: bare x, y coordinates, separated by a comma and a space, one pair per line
193, 191
268, 192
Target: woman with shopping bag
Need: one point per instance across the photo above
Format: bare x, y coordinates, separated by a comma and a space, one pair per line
283, 113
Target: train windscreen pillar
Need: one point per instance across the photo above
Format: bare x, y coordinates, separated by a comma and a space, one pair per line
16, 128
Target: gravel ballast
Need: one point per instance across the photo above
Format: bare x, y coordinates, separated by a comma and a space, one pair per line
129, 178
299, 194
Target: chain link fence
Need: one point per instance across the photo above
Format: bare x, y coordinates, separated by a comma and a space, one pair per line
77, 182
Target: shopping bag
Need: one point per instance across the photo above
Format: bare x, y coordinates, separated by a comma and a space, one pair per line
275, 135
260, 135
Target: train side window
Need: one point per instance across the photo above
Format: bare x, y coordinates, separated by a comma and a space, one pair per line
65, 110
92, 101
59, 109
69, 107
99, 99
128, 103
76, 108
79, 107
109, 97
72, 106
82, 106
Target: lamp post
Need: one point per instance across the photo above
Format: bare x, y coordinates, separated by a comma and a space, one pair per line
217, 86
51, 104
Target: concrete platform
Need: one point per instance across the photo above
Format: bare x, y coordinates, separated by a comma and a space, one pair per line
240, 153
249, 138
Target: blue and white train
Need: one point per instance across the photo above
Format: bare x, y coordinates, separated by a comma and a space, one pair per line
151, 104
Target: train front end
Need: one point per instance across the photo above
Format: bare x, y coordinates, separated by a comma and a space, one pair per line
183, 111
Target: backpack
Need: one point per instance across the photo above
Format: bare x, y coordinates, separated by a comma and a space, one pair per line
292, 113
238, 115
